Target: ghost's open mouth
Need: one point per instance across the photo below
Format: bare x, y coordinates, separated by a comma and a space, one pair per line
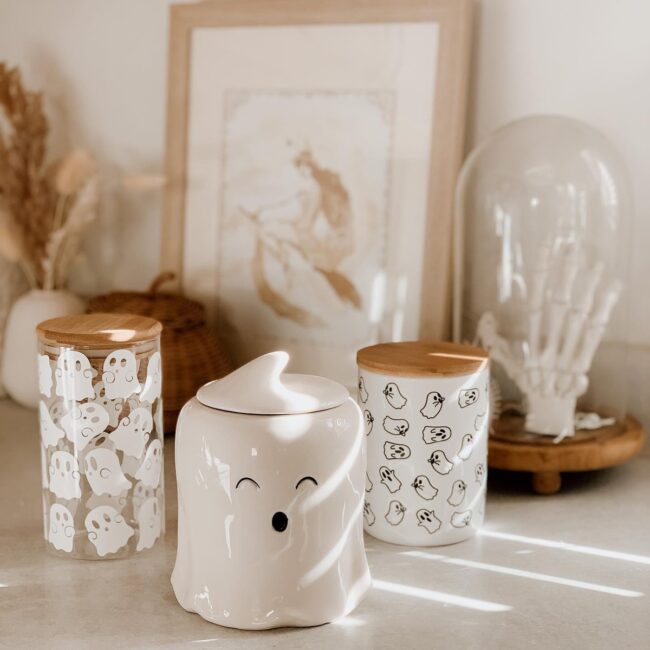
280, 521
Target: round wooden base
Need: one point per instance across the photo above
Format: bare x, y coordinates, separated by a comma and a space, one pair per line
512, 448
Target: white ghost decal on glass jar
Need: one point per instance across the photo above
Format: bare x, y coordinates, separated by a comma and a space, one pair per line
271, 476
107, 530
44, 375
112, 406
64, 475
149, 472
141, 493
104, 473
61, 529
83, 422
133, 432
50, 432
74, 376
153, 383
120, 374
149, 523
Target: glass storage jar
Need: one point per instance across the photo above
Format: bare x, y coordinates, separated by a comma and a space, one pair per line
100, 412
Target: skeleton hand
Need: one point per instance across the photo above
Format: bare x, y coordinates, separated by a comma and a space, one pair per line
551, 368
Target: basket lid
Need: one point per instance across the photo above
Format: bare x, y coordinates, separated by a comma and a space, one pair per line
422, 358
262, 388
98, 329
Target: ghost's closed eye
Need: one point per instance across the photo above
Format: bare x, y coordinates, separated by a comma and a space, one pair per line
246, 478
306, 478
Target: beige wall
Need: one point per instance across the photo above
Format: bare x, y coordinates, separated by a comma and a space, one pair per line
102, 65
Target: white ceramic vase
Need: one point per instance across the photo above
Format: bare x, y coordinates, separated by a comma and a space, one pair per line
19, 366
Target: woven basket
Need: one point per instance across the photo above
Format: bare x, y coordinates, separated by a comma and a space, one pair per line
191, 353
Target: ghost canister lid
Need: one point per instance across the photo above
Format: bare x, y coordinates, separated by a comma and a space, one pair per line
422, 359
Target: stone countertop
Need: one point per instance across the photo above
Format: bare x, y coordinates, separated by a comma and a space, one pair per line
567, 571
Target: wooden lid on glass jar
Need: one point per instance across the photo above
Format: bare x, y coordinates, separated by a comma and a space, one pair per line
98, 330
422, 359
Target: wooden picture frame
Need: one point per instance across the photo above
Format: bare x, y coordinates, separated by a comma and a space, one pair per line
452, 21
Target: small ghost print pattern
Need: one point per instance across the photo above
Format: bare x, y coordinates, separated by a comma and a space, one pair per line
149, 472
140, 494
388, 478
467, 397
440, 462
61, 532
104, 472
153, 382
432, 405
395, 427
479, 473
457, 495
133, 432
369, 483
431, 435
395, 513
367, 416
393, 395
423, 487
120, 375
107, 530
428, 520
83, 422
478, 421
112, 406
50, 432
394, 451
149, 524
368, 514
64, 475
363, 393
466, 446
461, 519
45, 382
74, 376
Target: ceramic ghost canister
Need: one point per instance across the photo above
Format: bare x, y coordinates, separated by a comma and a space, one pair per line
271, 478
427, 459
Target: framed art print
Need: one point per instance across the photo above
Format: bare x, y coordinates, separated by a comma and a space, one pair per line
311, 155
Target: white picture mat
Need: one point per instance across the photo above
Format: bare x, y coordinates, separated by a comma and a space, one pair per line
400, 58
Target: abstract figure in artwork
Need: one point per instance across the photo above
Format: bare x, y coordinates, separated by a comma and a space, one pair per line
304, 238
567, 309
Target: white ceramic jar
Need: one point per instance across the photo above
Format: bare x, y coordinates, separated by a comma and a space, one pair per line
270, 473
426, 413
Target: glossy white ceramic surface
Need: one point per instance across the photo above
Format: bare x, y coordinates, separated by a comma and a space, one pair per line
270, 530
427, 456
275, 393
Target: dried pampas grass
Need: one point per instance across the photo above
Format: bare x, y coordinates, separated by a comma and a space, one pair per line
43, 214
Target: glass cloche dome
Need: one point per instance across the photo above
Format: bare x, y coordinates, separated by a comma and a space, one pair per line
543, 208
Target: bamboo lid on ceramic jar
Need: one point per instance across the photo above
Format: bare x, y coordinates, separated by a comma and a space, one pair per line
98, 330
422, 359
